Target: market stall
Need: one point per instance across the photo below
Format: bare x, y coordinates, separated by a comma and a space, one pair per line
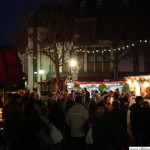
96, 86
140, 85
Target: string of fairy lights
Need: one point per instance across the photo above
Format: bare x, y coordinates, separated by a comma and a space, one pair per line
109, 48
123, 47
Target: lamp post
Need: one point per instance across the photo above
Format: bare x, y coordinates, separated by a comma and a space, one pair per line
41, 72
74, 69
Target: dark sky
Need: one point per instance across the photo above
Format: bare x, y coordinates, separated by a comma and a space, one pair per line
13, 14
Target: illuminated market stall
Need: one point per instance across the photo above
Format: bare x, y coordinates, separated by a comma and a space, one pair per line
99, 86
140, 85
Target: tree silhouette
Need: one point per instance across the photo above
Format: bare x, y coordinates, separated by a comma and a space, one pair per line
55, 21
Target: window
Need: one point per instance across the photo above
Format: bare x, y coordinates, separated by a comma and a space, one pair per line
98, 58
98, 54
91, 59
106, 53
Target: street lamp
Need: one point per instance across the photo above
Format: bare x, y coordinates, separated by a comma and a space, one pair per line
74, 69
73, 63
41, 72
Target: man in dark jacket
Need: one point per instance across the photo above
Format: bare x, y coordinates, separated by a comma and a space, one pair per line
102, 129
121, 138
136, 119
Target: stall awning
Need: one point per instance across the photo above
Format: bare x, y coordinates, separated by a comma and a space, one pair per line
10, 68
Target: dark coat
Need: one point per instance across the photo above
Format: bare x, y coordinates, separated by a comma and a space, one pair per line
57, 115
102, 130
35, 134
121, 137
136, 117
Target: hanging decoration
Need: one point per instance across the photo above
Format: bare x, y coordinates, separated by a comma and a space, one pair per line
122, 47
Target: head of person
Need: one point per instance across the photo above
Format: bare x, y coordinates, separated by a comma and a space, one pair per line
85, 89
146, 105
72, 91
116, 104
100, 109
139, 100
78, 99
53, 99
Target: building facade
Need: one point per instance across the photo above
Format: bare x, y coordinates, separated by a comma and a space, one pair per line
98, 58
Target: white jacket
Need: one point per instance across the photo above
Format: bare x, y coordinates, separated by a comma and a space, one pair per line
76, 118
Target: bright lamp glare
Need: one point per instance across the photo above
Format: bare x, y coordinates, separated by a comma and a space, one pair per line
41, 71
73, 63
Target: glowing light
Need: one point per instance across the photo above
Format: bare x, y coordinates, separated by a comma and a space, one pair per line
135, 83
145, 84
129, 82
73, 63
41, 71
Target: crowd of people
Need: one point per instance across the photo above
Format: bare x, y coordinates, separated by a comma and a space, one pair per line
68, 120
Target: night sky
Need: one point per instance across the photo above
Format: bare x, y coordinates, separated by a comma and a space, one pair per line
13, 15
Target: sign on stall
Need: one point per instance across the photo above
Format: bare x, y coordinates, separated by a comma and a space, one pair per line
74, 76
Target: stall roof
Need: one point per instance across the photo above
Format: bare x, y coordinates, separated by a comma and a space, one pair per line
141, 77
96, 82
10, 67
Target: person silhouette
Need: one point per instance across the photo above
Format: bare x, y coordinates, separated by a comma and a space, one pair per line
1, 102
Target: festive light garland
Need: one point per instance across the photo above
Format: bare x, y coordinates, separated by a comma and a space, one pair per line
125, 47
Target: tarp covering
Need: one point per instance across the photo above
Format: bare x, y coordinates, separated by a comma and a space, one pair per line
10, 68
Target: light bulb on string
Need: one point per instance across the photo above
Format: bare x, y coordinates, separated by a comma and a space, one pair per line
132, 44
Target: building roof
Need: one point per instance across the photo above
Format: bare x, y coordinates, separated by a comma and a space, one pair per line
10, 68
